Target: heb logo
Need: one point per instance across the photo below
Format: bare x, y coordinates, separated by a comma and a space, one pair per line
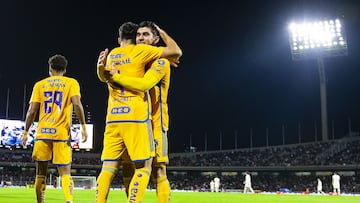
120, 110
48, 130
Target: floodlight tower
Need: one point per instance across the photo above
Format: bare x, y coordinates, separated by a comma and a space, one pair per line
317, 40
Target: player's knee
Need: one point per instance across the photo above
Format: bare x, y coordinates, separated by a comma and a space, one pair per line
161, 171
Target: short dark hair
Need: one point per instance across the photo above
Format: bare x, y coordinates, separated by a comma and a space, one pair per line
151, 25
58, 62
127, 31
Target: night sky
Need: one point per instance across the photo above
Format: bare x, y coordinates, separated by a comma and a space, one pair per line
236, 72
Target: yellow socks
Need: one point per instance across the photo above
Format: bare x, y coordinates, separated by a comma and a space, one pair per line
67, 185
40, 187
103, 183
163, 189
138, 185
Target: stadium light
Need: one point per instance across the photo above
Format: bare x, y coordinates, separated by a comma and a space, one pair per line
317, 40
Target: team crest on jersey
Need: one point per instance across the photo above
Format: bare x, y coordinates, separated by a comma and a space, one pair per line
161, 62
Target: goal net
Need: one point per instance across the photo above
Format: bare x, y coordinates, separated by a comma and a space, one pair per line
84, 182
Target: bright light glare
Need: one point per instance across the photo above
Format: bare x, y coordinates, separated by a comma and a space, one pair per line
322, 34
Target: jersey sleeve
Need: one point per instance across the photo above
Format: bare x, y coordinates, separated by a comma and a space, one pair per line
151, 78
75, 88
35, 95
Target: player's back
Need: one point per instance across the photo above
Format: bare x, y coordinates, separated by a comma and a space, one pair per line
54, 95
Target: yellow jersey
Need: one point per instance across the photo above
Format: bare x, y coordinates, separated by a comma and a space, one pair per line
159, 94
129, 60
54, 95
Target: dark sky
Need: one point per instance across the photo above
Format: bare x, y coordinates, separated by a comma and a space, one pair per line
236, 72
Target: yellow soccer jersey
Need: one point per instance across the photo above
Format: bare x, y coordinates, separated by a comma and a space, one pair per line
159, 94
157, 78
130, 61
54, 95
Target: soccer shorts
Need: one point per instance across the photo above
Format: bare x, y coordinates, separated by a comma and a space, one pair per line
161, 146
136, 138
57, 151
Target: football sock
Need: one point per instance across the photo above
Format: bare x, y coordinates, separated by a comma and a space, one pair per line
67, 185
163, 189
103, 183
138, 184
40, 187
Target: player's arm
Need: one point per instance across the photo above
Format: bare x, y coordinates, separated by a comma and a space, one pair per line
172, 49
138, 84
101, 64
79, 111
30, 117
157, 71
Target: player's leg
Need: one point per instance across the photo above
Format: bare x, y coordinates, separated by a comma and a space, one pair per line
141, 150
139, 181
40, 180
251, 190
128, 169
67, 183
112, 151
108, 172
159, 176
62, 159
42, 153
163, 189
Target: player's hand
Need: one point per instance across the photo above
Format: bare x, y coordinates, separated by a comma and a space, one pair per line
84, 135
158, 28
174, 62
102, 58
109, 73
24, 139
113, 69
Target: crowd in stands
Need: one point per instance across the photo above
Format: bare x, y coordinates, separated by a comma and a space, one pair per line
318, 153
14, 165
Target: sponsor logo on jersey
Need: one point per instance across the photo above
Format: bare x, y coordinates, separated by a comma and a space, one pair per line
133, 194
121, 110
48, 130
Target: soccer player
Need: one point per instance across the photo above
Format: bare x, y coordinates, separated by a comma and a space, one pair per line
212, 186
128, 128
54, 98
247, 183
336, 183
319, 186
217, 184
157, 78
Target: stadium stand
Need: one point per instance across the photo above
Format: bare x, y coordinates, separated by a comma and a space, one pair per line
288, 166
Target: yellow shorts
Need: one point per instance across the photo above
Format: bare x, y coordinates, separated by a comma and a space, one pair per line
161, 146
134, 137
57, 151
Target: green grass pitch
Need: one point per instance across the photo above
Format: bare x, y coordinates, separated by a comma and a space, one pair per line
22, 195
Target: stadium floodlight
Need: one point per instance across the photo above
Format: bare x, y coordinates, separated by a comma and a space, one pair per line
317, 40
